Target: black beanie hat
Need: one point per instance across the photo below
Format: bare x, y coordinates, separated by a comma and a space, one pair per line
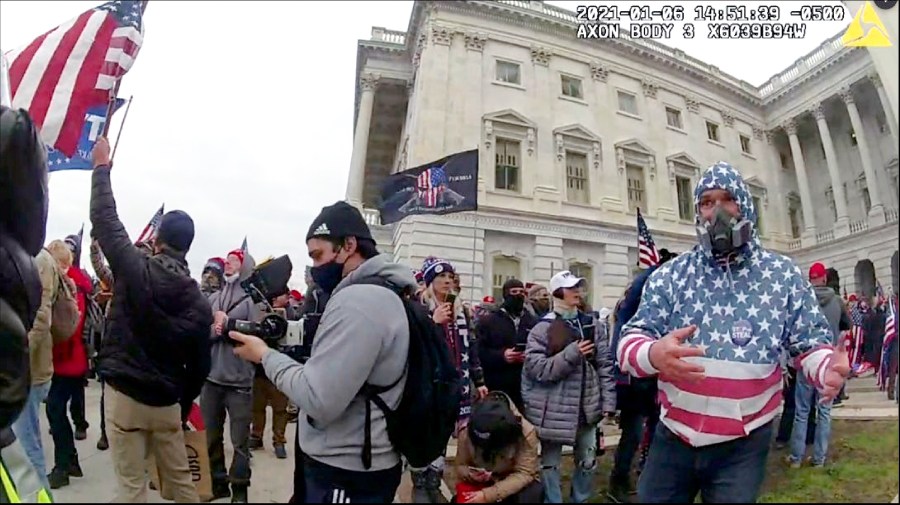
176, 230
340, 220
510, 284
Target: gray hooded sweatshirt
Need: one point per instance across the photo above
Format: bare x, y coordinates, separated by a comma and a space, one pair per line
228, 369
833, 309
363, 338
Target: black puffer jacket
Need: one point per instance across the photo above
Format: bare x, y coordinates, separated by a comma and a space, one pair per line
156, 348
497, 332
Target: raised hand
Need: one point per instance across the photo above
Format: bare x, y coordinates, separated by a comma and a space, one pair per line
667, 353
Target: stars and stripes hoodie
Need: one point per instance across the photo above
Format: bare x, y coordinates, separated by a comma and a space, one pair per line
748, 312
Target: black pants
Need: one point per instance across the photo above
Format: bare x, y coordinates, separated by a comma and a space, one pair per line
215, 402
729, 472
327, 484
62, 390
786, 424
637, 404
76, 408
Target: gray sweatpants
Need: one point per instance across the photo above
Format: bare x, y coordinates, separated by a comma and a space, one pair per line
215, 401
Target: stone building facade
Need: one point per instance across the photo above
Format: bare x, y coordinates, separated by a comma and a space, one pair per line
575, 135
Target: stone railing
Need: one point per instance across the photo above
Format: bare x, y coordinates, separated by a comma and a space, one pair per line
794, 244
859, 226
825, 50
380, 34
372, 217
568, 16
891, 215
824, 236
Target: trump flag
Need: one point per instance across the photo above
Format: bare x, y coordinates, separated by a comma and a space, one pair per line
81, 160
444, 186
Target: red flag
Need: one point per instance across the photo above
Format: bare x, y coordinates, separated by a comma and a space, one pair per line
74, 67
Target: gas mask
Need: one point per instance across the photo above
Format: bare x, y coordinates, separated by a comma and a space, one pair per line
724, 234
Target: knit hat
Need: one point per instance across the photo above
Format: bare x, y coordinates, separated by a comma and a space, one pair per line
176, 230
535, 289
511, 284
239, 253
493, 425
418, 275
340, 220
216, 264
434, 267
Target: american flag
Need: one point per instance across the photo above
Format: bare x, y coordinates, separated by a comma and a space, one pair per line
648, 255
152, 227
857, 318
74, 67
430, 185
890, 335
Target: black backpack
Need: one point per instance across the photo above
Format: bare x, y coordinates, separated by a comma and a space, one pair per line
422, 424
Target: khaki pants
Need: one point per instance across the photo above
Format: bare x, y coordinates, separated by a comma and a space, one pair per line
265, 393
137, 431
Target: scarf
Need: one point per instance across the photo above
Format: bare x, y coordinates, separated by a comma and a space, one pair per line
457, 332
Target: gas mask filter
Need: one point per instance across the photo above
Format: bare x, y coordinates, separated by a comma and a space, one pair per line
724, 234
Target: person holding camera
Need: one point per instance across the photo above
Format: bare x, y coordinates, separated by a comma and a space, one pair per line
155, 353
363, 338
229, 387
567, 386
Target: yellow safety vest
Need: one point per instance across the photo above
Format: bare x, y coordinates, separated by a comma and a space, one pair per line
9, 488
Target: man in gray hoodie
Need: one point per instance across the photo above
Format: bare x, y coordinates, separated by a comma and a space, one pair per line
229, 387
363, 338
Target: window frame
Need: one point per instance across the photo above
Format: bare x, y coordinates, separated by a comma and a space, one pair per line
637, 109
574, 78
505, 141
494, 275
496, 77
586, 176
680, 127
717, 130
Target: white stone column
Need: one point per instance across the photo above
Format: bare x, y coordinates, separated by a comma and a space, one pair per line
548, 259
886, 105
616, 275
842, 225
876, 213
356, 180
809, 216
779, 208
884, 58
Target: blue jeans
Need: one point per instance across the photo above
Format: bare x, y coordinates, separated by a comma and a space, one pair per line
804, 399
27, 428
728, 472
585, 464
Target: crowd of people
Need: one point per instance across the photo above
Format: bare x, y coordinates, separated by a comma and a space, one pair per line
690, 363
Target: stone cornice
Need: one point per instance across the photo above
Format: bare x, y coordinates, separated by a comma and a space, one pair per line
796, 85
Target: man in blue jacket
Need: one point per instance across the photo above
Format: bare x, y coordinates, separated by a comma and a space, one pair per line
636, 398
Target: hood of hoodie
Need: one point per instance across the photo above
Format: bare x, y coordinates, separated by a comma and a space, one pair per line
824, 295
723, 175
380, 266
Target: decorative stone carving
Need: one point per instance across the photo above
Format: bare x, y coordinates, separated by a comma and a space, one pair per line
846, 95
475, 41
670, 166
541, 55
692, 104
369, 82
529, 137
770, 137
651, 166
727, 119
598, 155
790, 126
650, 88
876, 80
620, 160
599, 71
488, 133
560, 147
421, 42
410, 87
818, 111
757, 132
442, 35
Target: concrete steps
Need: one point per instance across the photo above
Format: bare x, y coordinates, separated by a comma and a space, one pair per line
866, 402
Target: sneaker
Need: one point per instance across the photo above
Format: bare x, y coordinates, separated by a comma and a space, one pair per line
220, 490
75, 470
58, 478
239, 494
254, 443
280, 451
80, 434
793, 463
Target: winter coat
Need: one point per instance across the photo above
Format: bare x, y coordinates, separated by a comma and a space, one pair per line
833, 309
70, 355
227, 369
156, 347
565, 390
497, 332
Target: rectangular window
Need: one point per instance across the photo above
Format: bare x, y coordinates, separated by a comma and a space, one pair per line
784, 160
685, 198
508, 71
794, 215
627, 102
867, 200
635, 176
571, 86
507, 165
577, 178
504, 270
745, 144
673, 118
712, 131
758, 206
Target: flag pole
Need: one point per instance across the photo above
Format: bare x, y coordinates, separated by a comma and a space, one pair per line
474, 253
121, 127
110, 106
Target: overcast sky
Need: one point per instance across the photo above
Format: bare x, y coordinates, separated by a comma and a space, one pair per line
242, 111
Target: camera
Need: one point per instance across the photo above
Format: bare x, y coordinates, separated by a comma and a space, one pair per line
267, 282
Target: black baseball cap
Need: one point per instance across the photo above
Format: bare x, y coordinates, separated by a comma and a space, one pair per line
493, 425
340, 220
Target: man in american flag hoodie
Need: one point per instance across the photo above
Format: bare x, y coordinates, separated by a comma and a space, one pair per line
713, 324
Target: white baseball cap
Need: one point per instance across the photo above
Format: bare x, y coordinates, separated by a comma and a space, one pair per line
564, 279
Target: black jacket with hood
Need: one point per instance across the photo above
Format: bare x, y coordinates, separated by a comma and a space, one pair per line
497, 332
156, 349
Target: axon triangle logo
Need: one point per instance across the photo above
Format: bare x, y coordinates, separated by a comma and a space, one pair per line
857, 35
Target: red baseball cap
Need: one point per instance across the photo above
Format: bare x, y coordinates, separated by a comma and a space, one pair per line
817, 271
296, 295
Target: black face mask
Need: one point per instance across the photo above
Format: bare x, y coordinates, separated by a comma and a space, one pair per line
328, 275
514, 304
724, 234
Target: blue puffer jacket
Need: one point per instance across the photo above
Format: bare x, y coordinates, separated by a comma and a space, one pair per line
627, 310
